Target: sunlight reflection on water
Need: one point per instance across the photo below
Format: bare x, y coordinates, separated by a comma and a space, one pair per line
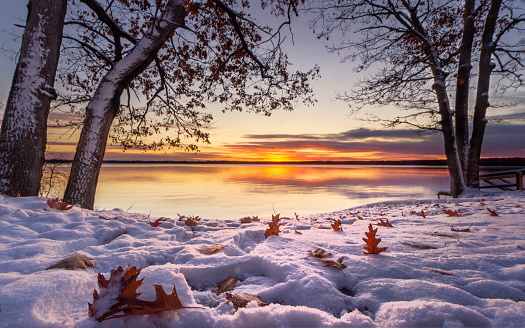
235, 191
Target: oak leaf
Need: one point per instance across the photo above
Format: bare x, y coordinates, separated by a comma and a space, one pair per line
117, 297
73, 262
452, 213
319, 253
227, 284
211, 249
337, 226
157, 222
372, 242
273, 229
460, 230
384, 223
190, 222
492, 213
56, 204
420, 246
241, 301
338, 264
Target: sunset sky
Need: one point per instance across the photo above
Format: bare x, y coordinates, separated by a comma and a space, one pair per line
325, 131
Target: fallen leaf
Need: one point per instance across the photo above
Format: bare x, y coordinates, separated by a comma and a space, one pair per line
211, 249
298, 232
157, 222
384, 223
73, 262
461, 230
323, 227
423, 214
227, 285
58, 205
452, 213
492, 213
273, 229
319, 253
117, 297
241, 301
420, 246
248, 219
443, 272
372, 242
438, 234
338, 264
337, 226
190, 222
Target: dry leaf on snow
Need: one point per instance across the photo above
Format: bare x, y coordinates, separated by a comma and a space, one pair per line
117, 297
227, 284
452, 213
492, 213
384, 223
338, 264
273, 229
211, 249
337, 226
460, 230
420, 246
319, 253
372, 242
58, 205
241, 301
157, 222
73, 262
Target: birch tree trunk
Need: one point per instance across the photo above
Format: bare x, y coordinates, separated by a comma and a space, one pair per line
104, 105
24, 127
482, 95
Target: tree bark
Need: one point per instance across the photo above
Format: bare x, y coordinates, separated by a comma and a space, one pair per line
463, 83
104, 105
24, 127
482, 96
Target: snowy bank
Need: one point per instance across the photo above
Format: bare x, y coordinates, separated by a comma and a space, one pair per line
429, 275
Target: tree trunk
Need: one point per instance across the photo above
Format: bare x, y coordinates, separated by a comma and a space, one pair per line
463, 83
482, 95
24, 126
104, 106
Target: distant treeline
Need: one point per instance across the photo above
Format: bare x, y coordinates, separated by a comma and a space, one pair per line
515, 161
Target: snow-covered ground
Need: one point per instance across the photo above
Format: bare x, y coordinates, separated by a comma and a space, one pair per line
474, 278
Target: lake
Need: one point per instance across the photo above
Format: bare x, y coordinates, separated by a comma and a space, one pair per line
216, 191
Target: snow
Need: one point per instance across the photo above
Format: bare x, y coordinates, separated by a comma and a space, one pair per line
474, 278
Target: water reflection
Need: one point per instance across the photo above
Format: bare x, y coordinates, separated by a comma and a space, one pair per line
234, 191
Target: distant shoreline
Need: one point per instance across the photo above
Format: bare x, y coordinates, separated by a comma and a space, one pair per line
506, 162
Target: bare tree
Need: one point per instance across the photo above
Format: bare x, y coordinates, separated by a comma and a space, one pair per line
24, 125
178, 65
427, 49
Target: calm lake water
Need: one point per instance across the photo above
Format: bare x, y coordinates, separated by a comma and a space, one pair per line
234, 191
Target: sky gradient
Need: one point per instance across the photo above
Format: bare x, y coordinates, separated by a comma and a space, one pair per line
324, 131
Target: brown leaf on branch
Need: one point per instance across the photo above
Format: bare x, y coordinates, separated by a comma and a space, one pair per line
241, 301
117, 297
56, 204
273, 229
226, 285
211, 249
73, 262
337, 226
372, 242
